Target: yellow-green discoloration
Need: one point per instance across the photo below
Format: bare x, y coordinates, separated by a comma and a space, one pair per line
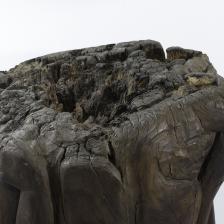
196, 81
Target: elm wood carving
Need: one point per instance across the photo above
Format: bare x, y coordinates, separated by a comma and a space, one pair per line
116, 134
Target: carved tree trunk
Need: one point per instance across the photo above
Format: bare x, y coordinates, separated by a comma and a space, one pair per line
116, 134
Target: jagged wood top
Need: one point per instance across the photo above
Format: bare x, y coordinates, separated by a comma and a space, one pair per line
103, 82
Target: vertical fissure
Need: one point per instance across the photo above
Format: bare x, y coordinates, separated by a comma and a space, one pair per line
55, 186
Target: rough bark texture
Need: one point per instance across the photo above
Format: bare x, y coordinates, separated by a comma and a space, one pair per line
116, 134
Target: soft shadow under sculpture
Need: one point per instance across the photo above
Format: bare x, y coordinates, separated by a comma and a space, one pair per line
116, 134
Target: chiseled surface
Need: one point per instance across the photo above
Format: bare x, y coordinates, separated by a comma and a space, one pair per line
116, 134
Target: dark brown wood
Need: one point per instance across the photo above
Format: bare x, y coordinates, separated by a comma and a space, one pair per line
116, 134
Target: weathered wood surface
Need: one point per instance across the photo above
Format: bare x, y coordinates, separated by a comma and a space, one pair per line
116, 134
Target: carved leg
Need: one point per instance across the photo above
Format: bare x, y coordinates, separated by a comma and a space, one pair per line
31, 203
91, 191
211, 178
34, 208
211, 219
9, 198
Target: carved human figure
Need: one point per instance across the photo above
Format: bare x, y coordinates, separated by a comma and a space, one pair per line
113, 134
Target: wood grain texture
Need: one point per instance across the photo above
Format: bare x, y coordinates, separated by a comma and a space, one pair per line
114, 134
